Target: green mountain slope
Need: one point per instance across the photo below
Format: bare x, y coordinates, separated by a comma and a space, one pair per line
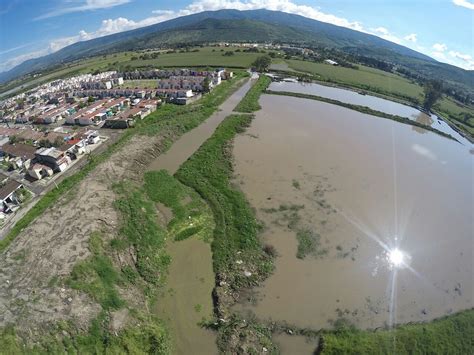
255, 26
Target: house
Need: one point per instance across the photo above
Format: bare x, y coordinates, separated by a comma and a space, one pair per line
18, 154
9, 201
40, 171
56, 159
332, 62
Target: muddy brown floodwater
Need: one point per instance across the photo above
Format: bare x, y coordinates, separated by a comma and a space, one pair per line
366, 183
373, 102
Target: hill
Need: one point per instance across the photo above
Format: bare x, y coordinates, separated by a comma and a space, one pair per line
251, 26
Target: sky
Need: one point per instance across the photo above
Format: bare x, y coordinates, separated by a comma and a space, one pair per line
442, 29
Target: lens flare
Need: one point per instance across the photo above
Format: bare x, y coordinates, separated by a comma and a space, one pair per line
397, 258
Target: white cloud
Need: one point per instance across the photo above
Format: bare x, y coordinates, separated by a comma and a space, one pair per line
410, 38
381, 30
86, 5
439, 55
465, 57
440, 47
384, 33
464, 3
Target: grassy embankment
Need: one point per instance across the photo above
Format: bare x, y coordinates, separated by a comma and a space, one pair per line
107, 270
239, 259
449, 335
250, 101
385, 84
363, 109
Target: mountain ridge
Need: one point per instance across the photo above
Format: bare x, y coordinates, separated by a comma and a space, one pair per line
252, 25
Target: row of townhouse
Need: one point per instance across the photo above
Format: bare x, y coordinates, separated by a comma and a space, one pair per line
112, 109
193, 83
127, 118
126, 92
102, 84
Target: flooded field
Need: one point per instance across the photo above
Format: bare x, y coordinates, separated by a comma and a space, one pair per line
387, 211
373, 102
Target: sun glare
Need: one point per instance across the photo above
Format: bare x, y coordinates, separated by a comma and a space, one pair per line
396, 258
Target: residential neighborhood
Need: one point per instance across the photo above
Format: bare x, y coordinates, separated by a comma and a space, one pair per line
44, 131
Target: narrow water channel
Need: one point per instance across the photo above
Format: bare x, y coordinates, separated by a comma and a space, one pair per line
184, 147
187, 297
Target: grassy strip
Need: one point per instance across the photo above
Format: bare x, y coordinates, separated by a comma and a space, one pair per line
176, 120
238, 257
209, 172
250, 102
449, 335
363, 109
191, 216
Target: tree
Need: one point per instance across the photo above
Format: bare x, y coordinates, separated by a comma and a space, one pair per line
262, 63
206, 85
433, 90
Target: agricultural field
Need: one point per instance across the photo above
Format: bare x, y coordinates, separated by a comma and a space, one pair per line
365, 78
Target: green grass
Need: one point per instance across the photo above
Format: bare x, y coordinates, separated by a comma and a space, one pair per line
250, 101
364, 78
309, 243
450, 335
176, 120
152, 83
209, 172
363, 109
204, 58
191, 216
97, 276
141, 231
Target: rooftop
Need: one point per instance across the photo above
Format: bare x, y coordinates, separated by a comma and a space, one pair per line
7, 189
